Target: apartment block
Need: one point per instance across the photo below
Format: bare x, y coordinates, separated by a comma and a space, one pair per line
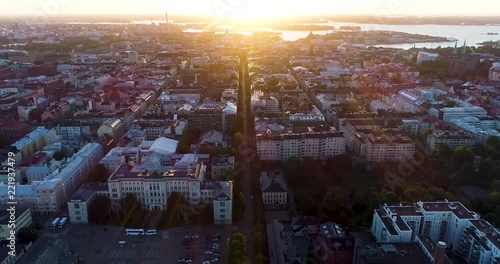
480, 127
12, 130
156, 130
377, 140
378, 148
480, 243
417, 126
205, 119
47, 197
79, 202
453, 139
265, 104
70, 130
23, 219
35, 141
449, 113
113, 127
318, 145
440, 221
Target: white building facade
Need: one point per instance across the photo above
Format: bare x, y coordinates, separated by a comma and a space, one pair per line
449, 113
453, 139
318, 145
47, 196
441, 221
154, 183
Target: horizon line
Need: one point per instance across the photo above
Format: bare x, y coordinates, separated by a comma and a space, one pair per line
277, 17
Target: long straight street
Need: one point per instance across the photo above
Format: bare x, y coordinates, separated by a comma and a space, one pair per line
246, 224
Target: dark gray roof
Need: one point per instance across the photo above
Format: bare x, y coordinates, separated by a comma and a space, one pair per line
274, 187
387, 222
222, 195
87, 190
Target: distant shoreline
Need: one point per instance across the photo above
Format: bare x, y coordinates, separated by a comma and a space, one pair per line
303, 27
355, 19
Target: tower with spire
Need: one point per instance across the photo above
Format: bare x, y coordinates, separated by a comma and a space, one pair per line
455, 51
464, 49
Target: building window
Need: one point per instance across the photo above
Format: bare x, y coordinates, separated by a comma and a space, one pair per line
222, 203
77, 206
222, 210
222, 216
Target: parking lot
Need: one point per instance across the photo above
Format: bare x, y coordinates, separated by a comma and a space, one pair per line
201, 249
98, 244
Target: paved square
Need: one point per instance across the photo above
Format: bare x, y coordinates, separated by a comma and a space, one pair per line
99, 245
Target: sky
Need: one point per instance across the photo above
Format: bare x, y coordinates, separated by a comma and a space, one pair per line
252, 9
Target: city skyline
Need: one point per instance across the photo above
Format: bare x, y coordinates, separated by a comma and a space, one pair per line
246, 131
254, 10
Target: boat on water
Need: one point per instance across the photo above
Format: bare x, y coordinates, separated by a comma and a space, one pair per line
489, 33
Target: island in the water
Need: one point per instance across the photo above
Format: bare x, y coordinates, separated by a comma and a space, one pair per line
350, 28
378, 37
303, 27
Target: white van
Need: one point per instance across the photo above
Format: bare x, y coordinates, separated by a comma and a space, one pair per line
54, 223
63, 222
121, 243
151, 232
134, 232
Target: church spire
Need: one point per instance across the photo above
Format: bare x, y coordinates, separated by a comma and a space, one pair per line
455, 51
464, 48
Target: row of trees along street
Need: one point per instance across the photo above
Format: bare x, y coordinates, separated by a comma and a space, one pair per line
237, 253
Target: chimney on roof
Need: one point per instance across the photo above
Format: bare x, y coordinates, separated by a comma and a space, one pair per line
440, 253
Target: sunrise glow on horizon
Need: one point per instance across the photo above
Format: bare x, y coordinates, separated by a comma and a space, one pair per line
256, 9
